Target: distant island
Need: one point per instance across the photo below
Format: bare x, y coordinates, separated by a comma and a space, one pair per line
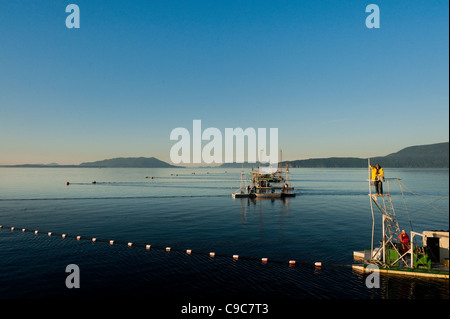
119, 162
136, 162
421, 156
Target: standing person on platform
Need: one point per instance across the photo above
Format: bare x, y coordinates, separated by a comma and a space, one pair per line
377, 175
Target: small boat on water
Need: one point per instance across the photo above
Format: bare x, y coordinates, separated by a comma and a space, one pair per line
266, 182
417, 254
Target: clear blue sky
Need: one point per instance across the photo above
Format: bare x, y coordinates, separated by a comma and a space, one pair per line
135, 70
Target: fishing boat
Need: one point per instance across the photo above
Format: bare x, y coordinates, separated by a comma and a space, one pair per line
266, 182
424, 254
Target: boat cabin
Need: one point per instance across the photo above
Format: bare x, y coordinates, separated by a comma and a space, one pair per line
437, 245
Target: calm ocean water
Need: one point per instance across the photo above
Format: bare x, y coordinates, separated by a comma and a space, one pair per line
327, 220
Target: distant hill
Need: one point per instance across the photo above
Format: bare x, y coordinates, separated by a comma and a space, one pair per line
137, 162
33, 165
52, 165
329, 162
422, 156
432, 155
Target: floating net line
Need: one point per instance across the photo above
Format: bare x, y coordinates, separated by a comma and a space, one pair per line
212, 254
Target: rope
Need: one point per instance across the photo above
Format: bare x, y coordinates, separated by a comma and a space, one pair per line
421, 198
113, 197
317, 266
406, 207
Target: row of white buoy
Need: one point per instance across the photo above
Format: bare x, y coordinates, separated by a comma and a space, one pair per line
212, 254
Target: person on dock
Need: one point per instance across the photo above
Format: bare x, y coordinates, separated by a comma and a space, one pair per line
377, 175
404, 239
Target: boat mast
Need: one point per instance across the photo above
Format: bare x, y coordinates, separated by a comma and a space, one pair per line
242, 179
281, 160
371, 207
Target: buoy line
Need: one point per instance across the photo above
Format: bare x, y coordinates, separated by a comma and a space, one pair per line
211, 254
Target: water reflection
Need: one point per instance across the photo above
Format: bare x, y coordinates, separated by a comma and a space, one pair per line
400, 287
251, 204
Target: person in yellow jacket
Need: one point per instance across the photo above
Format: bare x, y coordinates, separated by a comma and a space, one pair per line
377, 175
